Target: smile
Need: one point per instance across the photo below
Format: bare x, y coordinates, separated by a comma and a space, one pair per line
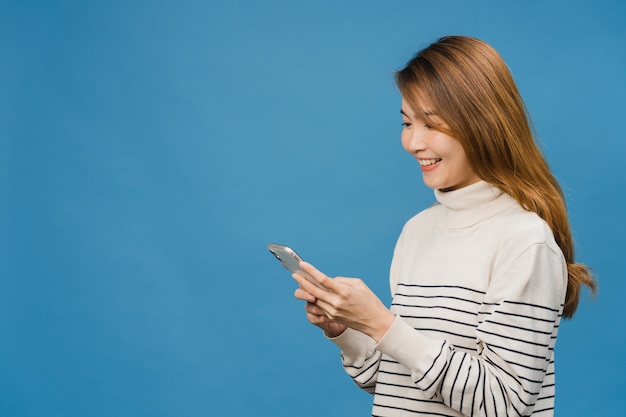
428, 162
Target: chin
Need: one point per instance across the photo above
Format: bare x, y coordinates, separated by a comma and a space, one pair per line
437, 186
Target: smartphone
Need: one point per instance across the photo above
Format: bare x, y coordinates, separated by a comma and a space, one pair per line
291, 261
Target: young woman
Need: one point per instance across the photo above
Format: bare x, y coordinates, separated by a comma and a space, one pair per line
481, 279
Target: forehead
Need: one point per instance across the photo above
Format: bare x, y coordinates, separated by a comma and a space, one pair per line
411, 109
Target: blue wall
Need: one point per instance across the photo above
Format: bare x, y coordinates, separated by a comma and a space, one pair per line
149, 150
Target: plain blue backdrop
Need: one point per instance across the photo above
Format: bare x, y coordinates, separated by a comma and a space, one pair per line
149, 150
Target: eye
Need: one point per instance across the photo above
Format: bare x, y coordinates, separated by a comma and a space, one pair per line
406, 124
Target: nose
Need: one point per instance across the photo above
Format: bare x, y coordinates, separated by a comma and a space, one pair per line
413, 142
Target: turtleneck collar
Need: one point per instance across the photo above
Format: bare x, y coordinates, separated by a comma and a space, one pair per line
470, 205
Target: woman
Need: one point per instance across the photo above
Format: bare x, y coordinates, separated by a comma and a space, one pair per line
481, 279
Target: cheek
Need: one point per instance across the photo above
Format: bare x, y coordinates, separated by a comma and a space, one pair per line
464, 165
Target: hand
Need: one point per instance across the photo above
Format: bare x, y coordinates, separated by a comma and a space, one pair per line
316, 315
345, 301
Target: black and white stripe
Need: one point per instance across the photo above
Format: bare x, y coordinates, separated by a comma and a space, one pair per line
488, 355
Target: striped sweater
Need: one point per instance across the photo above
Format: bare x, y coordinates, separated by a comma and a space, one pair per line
478, 286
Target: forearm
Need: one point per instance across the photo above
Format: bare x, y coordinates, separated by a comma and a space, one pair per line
486, 383
359, 357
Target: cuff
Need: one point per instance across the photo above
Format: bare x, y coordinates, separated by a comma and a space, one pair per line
355, 346
408, 346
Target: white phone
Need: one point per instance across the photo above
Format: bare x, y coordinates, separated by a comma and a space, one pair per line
290, 260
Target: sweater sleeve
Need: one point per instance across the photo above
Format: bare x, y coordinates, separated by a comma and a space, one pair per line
359, 357
518, 323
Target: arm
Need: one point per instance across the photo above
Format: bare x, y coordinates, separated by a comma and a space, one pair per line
352, 317
518, 323
359, 357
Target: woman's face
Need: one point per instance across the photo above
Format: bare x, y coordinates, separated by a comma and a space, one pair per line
441, 157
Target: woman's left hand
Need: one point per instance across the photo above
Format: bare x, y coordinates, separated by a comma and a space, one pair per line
347, 301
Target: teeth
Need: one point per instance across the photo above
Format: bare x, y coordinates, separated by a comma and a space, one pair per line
426, 162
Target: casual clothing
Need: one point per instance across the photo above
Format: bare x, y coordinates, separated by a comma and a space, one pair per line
478, 286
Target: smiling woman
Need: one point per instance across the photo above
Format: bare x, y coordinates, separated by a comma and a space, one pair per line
479, 281
472, 89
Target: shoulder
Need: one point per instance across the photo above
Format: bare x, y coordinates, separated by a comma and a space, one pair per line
523, 226
523, 236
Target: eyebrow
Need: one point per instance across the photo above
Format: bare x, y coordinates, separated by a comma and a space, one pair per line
428, 113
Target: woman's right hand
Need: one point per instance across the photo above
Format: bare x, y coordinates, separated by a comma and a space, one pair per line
316, 315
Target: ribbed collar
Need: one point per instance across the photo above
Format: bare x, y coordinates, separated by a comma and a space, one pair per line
470, 205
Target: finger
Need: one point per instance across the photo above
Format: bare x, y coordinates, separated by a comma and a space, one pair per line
315, 314
303, 295
317, 274
301, 280
351, 282
317, 320
314, 309
308, 286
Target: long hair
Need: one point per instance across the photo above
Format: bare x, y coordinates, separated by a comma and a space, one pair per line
466, 83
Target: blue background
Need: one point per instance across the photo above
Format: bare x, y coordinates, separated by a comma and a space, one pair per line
149, 150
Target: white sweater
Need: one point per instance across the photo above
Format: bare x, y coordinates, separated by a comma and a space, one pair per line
478, 286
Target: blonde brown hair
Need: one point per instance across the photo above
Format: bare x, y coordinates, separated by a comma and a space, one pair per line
466, 83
